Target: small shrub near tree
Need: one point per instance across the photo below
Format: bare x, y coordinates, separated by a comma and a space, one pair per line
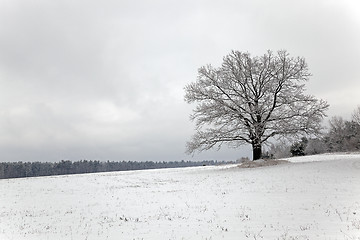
298, 148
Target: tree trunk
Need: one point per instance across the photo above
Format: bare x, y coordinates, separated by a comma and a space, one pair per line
257, 153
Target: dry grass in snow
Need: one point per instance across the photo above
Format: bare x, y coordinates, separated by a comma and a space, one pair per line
314, 197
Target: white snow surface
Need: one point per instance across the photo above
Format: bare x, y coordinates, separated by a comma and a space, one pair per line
313, 197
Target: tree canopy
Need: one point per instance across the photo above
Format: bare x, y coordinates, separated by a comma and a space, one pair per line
248, 100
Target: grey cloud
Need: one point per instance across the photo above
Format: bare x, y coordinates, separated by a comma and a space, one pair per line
90, 79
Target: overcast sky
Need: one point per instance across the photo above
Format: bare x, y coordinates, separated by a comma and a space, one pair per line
104, 79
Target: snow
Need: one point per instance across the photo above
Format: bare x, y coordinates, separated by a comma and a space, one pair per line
313, 197
325, 157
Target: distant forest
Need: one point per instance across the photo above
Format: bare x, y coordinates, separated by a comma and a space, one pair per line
36, 169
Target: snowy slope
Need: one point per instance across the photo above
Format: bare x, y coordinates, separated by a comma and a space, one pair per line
316, 197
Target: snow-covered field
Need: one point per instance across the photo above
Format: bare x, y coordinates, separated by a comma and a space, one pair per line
315, 197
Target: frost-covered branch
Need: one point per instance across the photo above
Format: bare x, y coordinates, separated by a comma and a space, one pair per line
251, 99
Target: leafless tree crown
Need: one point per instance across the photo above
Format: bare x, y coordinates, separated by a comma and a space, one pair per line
251, 99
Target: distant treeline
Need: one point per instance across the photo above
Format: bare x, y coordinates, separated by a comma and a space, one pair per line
35, 169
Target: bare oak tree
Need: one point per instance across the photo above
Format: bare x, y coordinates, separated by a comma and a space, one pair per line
249, 100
